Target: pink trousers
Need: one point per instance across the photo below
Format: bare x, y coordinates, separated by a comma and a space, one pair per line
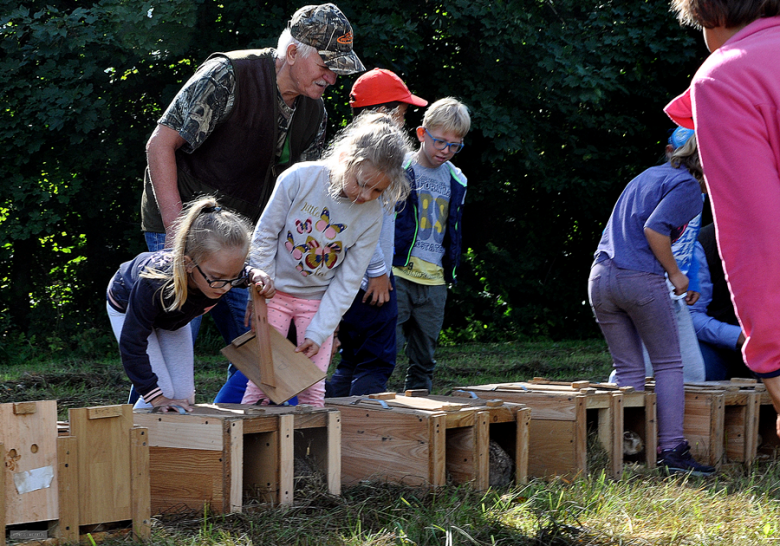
282, 309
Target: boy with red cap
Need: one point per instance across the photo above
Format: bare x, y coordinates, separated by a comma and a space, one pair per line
367, 331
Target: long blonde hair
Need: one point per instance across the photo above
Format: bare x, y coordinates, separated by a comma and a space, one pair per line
373, 138
202, 229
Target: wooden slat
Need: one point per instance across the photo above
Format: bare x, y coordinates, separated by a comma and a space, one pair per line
139, 484
651, 430
522, 428
437, 426
263, 340
183, 431
333, 472
68, 488
234, 441
104, 412
25, 408
286, 459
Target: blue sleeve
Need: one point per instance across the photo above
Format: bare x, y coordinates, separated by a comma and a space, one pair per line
707, 328
678, 207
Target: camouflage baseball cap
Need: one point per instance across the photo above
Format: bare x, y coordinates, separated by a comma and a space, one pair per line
326, 29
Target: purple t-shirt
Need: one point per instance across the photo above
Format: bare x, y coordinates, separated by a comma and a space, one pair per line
663, 199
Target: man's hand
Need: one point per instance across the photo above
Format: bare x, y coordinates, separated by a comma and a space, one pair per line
161, 159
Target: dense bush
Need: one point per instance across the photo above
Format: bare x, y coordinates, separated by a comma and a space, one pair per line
566, 98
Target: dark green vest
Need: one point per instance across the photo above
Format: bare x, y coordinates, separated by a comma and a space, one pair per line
237, 162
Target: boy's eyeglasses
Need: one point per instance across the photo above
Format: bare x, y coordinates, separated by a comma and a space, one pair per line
239, 282
440, 144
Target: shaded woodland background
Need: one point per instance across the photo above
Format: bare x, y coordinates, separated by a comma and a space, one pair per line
566, 97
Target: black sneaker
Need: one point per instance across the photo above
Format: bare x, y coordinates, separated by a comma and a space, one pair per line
679, 460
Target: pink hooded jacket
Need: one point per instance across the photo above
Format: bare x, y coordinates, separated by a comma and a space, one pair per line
733, 104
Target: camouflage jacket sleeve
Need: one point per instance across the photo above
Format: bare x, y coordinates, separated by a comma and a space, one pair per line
314, 151
204, 101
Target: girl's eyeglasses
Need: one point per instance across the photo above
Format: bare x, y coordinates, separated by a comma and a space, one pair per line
239, 282
440, 144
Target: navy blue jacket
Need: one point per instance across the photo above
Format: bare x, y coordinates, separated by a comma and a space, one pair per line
407, 220
139, 299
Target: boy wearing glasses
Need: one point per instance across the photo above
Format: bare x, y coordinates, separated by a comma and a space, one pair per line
428, 236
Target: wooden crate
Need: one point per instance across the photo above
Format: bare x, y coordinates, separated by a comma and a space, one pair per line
227, 454
561, 414
722, 420
421, 440
96, 472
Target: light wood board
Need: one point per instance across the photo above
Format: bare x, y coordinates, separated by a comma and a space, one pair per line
29, 432
293, 372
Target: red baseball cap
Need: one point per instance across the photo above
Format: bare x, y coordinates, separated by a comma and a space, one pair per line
379, 86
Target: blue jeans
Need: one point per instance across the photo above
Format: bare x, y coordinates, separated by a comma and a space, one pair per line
632, 307
420, 318
367, 335
722, 363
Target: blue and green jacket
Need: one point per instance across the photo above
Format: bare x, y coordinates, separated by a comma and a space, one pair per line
407, 224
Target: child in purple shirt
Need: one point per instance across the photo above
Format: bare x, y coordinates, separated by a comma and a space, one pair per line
629, 295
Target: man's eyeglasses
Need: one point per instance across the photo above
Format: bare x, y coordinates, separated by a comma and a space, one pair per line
440, 144
239, 282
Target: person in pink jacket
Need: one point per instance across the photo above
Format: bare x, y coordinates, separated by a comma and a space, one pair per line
733, 103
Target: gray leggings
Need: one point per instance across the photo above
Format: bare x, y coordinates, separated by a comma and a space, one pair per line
633, 307
171, 356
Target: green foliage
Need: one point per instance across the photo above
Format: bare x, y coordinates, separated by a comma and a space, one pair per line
566, 99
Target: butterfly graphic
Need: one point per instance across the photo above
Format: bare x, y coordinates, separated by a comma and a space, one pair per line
297, 251
323, 255
305, 226
329, 230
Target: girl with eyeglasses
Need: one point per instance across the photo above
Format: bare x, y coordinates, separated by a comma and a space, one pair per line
153, 297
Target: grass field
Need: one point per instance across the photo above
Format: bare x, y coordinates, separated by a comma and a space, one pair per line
736, 506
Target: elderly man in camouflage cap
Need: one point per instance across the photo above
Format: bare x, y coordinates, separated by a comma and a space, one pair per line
243, 118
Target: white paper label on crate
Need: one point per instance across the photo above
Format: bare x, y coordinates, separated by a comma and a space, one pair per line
33, 480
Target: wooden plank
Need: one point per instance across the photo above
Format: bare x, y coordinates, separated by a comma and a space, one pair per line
437, 449
293, 372
581, 435
551, 449
651, 430
703, 425
261, 466
25, 408
616, 454
751, 429
333, 472
30, 439
68, 488
382, 396
545, 405
460, 453
186, 477
522, 427
286, 459
385, 445
141, 510
482, 450
234, 442
263, 339
182, 431
104, 412
104, 465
